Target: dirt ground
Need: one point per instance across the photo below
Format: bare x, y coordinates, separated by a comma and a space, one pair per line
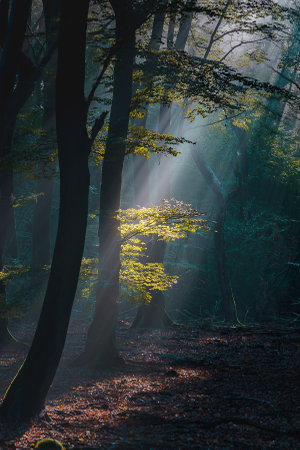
221, 388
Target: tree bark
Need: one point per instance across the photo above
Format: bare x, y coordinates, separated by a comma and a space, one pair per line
101, 350
26, 395
12, 45
141, 166
222, 198
41, 233
154, 315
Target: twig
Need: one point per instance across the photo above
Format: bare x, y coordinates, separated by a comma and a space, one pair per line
217, 121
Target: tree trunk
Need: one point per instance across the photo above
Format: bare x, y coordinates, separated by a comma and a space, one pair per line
154, 315
101, 350
141, 166
13, 39
222, 198
223, 277
41, 233
26, 395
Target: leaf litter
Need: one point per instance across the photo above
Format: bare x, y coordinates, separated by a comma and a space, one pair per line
222, 388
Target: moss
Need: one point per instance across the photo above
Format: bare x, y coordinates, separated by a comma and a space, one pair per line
50, 444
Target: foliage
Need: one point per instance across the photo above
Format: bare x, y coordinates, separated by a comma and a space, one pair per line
140, 141
170, 221
23, 284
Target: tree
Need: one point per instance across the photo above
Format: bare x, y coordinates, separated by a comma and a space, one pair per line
26, 395
153, 314
15, 98
13, 40
100, 343
41, 221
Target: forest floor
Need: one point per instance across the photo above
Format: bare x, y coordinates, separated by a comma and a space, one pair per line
190, 387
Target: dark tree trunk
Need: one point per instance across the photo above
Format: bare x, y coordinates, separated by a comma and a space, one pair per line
101, 350
222, 198
4, 8
141, 166
154, 315
41, 233
12, 44
223, 277
26, 395
165, 113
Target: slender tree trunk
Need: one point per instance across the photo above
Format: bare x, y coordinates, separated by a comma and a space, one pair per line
101, 350
141, 166
223, 277
142, 186
222, 198
12, 44
26, 395
42, 213
41, 234
41, 224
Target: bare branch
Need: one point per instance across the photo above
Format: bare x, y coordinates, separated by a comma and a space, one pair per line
284, 76
239, 45
211, 41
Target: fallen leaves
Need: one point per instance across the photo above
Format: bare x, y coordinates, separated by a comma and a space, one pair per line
182, 388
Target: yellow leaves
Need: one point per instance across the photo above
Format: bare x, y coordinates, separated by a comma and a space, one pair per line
22, 199
145, 277
142, 141
142, 151
258, 55
241, 123
12, 271
169, 221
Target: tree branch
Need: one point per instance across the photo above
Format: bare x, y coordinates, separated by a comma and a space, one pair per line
284, 76
239, 45
209, 175
211, 41
98, 124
